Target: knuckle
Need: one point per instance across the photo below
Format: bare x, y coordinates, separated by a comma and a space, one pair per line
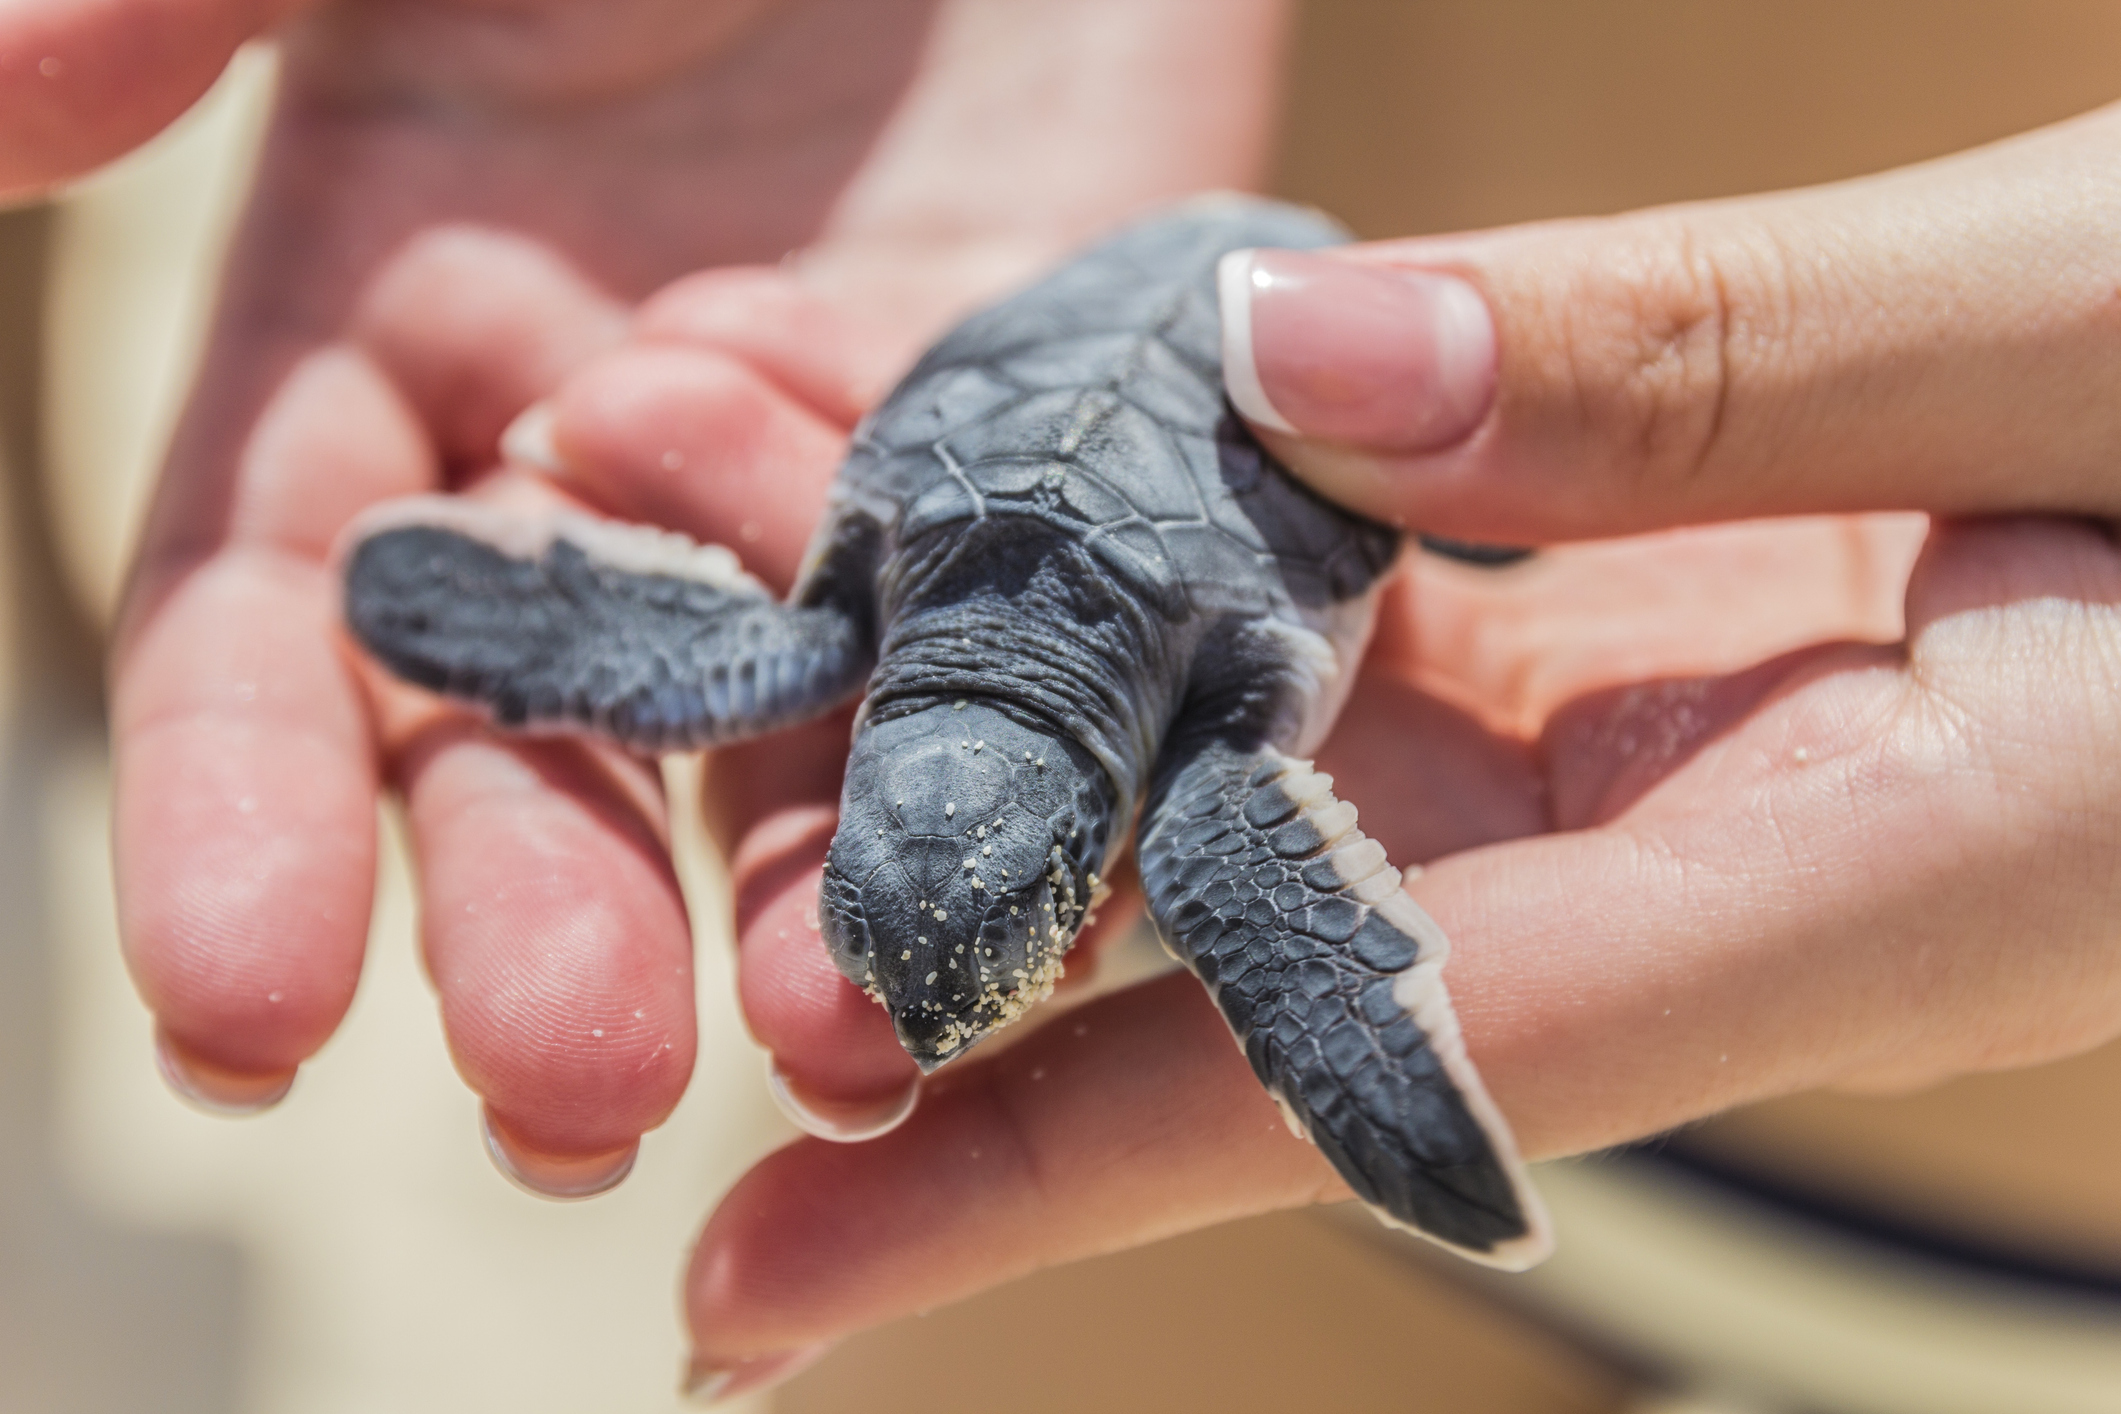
1655, 353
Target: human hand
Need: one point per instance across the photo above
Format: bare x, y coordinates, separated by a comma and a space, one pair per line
455, 206
1711, 815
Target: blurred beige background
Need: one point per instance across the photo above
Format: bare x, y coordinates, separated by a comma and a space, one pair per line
354, 1251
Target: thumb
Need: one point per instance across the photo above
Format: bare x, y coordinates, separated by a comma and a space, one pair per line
1941, 338
85, 81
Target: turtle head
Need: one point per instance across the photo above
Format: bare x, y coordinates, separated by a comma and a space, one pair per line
966, 858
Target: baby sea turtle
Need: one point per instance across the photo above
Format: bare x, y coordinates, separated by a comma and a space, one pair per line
1073, 586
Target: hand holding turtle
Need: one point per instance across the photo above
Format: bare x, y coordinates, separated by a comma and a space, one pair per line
1712, 815
1917, 829
455, 207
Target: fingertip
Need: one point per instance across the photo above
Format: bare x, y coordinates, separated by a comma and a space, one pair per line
244, 900
555, 1177
473, 323
696, 440
84, 83
556, 939
1393, 360
838, 1119
794, 336
790, 1255
833, 1047
217, 1089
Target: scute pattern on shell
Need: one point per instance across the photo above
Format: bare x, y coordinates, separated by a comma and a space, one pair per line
1076, 404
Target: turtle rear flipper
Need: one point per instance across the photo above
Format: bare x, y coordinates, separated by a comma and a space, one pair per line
559, 621
1331, 979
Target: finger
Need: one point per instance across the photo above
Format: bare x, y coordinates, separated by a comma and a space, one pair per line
696, 438
839, 1068
552, 925
82, 83
475, 324
1130, 1119
246, 771
1938, 338
699, 441
1666, 958
557, 941
1818, 872
244, 827
550, 914
722, 424
816, 352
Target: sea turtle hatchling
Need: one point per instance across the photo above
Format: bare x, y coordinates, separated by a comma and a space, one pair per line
1073, 586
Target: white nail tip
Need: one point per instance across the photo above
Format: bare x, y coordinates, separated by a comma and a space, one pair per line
707, 1386
847, 1124
529, 441
1234, 284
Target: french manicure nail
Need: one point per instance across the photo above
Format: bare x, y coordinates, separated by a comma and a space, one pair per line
216, 1090
559, 1177
1388, 359
706, 1382
529, 441
841, 1121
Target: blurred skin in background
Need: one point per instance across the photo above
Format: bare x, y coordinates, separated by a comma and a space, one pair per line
1847, 820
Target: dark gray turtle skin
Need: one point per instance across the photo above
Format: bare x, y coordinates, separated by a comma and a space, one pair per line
1073, 589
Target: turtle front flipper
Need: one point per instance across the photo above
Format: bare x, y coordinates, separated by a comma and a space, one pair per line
559, 621
1331, 978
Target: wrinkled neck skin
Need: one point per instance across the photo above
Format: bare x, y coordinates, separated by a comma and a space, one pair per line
1017, 706
1032, 622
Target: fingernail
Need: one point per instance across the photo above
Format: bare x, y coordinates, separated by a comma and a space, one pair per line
841, 1121
706, 1382
529, 441
214, 1089
1396, 360
558, 1177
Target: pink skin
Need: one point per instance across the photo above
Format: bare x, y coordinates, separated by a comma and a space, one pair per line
1822, 350
1726, 813
1478, 661
564, 965
736, 451
88, 80
429, 250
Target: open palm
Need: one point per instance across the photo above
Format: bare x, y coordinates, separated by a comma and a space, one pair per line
458, 203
